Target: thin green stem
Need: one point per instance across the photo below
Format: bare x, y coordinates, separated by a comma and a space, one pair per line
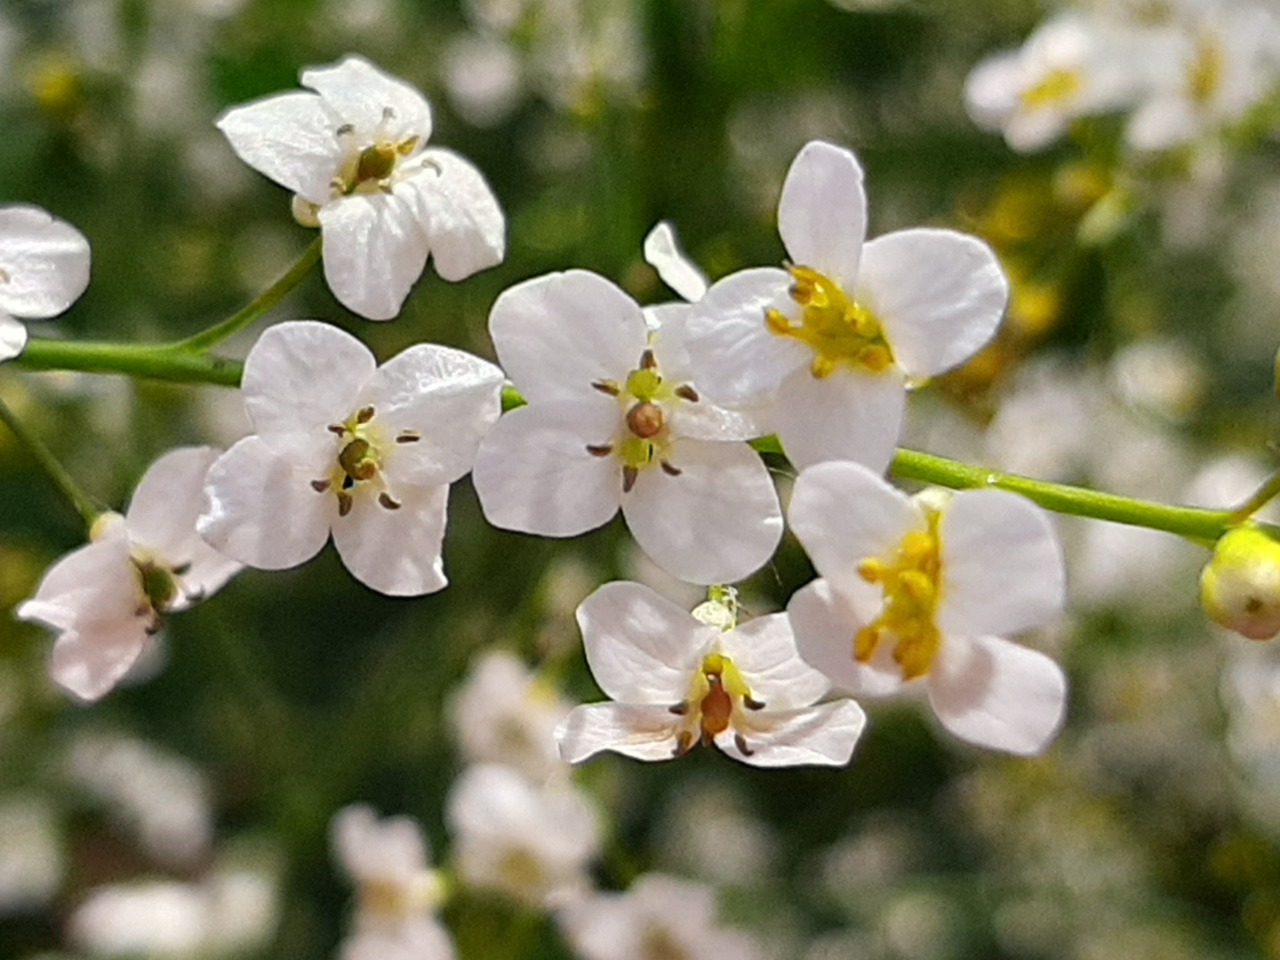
1261, 497
78, 499
159, 362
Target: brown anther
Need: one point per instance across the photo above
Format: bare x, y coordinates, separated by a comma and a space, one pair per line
142, 609
181, 570
345, 502
345, 130
606, 386
195, 596
741, 742
599, 449
668, 469
751, 703
408, 436
679, 709
686, 392
337, 429
645, 420
320, 486
629, 475
388, 113
648, 361
684, 743
364, 414
387, 502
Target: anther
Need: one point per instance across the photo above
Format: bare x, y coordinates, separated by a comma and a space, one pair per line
606, 386
364, 414
388, 114
741, 742
668, 469
345, 502
599, 449
182, 569
408, 436
337, 429
387, 502
648, 361
684, 743
345, 130
320, 486
629, 475
686, 392
679, 709
751, 703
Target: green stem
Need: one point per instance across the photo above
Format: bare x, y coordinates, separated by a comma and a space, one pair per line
1261, 497
78, 499
160, 362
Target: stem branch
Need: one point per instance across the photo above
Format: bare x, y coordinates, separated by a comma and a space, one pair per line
78, 499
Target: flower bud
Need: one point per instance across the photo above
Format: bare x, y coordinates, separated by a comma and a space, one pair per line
1240, 586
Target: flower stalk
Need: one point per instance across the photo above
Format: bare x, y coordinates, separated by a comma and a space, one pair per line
43, 456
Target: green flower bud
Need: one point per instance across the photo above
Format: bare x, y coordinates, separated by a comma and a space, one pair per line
1240, 586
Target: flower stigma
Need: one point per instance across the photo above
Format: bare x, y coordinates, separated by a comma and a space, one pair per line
716, 696
911, 593
839, 329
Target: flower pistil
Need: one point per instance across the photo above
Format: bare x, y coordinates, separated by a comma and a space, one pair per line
360, 460
717, 693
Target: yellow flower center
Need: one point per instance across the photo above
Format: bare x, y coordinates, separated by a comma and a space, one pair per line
360, 462
370, 168
717, 695
1057, 86
839, 329
910, 580
1204, 76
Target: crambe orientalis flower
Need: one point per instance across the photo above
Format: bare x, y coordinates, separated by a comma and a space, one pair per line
44, 267
837, 334
912, 589
343, 445
107, 598
613, 420
355, 154
677, 681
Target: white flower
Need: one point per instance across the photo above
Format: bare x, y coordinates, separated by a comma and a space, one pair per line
663, 253
614, 419
354, 152
106, 599
531, 843
397, 892
839, 332
659, 917
343, 445
677, 681
44, 267
914, 589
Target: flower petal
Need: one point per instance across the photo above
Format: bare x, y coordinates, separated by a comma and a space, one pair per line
1002, 566
997, 694
361, 94
700, 419
459, 215
824, 735
289, 137
764, 651
262, 511
92, 658
374, 250
640, 731
663, 253
557, 334
13, 337
396, 552
939, 296
44, 262
641, 647
825, 623
822, 213
735, 357
719, 521
93, 585
447, 398
369, 848
533, 473
849, 415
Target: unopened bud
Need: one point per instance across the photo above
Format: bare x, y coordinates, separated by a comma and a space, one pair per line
1240, 586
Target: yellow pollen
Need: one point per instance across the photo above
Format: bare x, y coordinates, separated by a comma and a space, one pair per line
911, 594
839, 329
1057, 85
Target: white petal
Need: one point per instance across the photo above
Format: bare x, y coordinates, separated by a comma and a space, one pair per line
997, 694
446, 397
764, 651
700, 419
1002, 566
822, 214
370, 848
849, 415
663, 253
641, 647
717, 522
825, 624
301, 377
734, 356
374, 250
396, 552
361, 94
262, 511
92, 658
95, 584
824, 735
289, 137
533, 472
557, 334
13, 337
938, 294
843, 514
639, 731
459, 215
45, 262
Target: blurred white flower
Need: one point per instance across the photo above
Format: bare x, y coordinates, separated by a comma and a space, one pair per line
106, 599
354, 152
483, 78
836, 336
923, 589
31, 859
662, 252
343, 445
44, 267
677, 682
532, 843
658, 917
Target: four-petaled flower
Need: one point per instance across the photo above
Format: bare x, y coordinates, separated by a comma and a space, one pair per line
354, 152
613, 420
677, 681
915, 588
44, 267
344, 445
107, 597
836, 335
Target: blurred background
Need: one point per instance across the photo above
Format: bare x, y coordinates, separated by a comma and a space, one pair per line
187, 814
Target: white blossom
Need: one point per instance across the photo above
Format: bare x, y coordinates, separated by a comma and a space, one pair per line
922, 589
355, 153
614, 421
836, 336
44, 267
677, 681
106, 599
344, 446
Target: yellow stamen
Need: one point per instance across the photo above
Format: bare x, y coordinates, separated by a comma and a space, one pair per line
910, 580
839, 329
